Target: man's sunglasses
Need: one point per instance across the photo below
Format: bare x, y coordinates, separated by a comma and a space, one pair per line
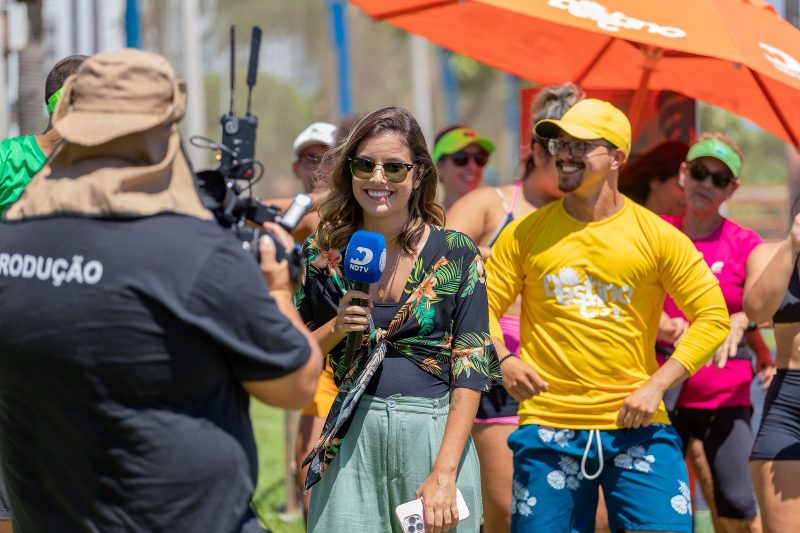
461, 159
721, 179
575, 148
363, 169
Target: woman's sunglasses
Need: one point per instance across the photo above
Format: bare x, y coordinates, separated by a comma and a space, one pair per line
461, 159
363, 169
721, 179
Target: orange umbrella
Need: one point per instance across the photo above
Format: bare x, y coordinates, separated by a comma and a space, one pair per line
736, 54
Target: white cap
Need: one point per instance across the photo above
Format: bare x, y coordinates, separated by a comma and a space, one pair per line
316, 133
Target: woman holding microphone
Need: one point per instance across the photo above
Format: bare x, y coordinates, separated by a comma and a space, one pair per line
416, 382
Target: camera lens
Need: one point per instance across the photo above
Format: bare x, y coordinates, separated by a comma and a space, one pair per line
410, 529
420, 526
412, 520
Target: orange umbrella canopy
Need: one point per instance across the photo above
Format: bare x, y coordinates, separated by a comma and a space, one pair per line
735, 54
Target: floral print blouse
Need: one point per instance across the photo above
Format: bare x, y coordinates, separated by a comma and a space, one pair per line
442, 325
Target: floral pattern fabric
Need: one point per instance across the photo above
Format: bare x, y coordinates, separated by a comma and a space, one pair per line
644, 478
441, 325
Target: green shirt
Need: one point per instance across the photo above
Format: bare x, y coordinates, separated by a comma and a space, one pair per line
20, 159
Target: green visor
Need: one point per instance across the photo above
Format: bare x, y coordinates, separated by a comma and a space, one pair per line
453, 141
53, 100
718, 150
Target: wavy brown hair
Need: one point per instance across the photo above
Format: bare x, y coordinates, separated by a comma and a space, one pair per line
340, 214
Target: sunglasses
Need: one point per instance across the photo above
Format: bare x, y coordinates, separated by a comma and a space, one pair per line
363, 169
461, 159
575, 148
720, 180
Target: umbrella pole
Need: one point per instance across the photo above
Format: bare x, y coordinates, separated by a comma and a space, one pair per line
778, 114
591, 64
636, 113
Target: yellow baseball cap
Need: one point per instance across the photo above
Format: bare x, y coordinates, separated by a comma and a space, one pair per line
590, 119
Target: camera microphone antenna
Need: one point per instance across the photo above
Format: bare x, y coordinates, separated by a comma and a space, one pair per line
252, 69
232, 106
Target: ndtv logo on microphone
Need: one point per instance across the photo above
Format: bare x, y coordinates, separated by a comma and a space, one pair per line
586, 9
366, 256
361, 264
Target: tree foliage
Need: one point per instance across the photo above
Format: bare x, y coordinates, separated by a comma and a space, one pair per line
381, 75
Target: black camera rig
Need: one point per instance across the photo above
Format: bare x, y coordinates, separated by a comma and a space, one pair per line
220, 189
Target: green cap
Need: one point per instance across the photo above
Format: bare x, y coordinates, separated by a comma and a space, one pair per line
454, 140
718, 150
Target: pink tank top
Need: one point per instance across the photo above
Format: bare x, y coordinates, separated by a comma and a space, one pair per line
725, 251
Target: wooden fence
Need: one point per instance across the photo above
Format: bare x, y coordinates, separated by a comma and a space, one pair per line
763, 208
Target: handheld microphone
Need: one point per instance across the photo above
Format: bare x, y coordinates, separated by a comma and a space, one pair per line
364, 262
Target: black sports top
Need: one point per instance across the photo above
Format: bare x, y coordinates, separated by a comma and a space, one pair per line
789, 310
398, 374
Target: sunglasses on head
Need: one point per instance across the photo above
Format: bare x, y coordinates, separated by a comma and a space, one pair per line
576, 148
720, 180
363, 169
461, 159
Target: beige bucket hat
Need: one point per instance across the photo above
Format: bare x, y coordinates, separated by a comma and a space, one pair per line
116, 94
121, 154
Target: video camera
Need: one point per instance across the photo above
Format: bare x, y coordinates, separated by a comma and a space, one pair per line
220, 190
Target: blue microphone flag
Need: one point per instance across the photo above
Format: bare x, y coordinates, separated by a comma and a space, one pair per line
365, 257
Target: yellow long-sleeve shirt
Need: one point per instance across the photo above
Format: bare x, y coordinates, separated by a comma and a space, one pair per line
592, 295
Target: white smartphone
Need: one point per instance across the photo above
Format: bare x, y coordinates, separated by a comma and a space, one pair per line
410, 514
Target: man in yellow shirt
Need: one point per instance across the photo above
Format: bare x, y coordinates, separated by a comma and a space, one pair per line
593, 270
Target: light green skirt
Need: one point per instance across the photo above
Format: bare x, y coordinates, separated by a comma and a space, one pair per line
388, 452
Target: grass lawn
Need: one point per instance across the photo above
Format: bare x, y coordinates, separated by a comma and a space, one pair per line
268, 425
